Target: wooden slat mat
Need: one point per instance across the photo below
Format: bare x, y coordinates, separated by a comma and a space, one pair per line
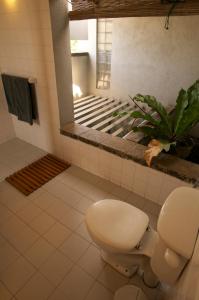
32, 177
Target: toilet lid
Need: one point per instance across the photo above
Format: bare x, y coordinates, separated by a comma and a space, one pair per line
117, 224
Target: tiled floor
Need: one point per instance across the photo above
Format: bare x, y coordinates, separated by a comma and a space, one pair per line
15, 154
45, 250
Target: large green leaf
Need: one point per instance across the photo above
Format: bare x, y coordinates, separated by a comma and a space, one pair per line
166, 121
181, 104
147, 117
191, 113
194, 88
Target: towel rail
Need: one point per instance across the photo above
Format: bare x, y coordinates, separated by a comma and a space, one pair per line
32, 80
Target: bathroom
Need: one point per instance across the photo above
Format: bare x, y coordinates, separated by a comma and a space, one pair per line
57, 259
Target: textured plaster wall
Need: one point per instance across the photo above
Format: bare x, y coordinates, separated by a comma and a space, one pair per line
148, 59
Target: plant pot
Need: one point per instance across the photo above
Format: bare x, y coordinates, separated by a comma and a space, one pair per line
183, 151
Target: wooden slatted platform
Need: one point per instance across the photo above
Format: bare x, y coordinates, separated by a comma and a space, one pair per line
32, 177
98, 113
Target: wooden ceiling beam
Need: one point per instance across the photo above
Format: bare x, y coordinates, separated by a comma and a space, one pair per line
85, 9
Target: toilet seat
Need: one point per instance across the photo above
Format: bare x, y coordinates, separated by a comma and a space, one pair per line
116, 224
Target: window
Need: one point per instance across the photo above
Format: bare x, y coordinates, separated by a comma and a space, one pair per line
104, 51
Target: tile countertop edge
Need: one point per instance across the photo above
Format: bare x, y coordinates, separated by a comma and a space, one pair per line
171, 165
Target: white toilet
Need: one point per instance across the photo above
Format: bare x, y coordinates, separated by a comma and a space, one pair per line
127, 241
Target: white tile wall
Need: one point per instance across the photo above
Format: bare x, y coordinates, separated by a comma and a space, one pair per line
146, 182
26, 50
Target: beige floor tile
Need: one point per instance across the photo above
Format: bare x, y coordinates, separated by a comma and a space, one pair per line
56, 267
5, 213
72, 219
57, 295
69, 179
49, 186
99, 292
4, 293
29, 213
111, 279
57, 188
35, 194
17, 274
2, 241
57, 234
75, 188
37, 288
4, 185
42, 223
44, 200
58, 210
83, 232
83, 204
74, 247
7, 256
13, 199
12, 227
39, 252
72, 197
81, 185
83, 175
5, 170
24, 240
94, 192
92, 262
76, 284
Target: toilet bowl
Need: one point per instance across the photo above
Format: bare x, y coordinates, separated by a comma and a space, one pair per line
127, 241
123, 233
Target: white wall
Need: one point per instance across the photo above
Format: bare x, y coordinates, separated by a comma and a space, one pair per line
26, 50
79, 30
80, 72
148, 59
6, 127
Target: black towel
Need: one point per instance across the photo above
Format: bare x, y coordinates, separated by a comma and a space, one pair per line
20, 97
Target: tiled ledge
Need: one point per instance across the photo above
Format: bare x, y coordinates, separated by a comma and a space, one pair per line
179, 168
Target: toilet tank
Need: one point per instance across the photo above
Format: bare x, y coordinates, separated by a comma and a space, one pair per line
187, 287
178, 226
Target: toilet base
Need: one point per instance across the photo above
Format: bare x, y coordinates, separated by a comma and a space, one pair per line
124, 270
130, 292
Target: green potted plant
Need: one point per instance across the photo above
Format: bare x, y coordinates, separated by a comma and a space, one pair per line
170, 130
